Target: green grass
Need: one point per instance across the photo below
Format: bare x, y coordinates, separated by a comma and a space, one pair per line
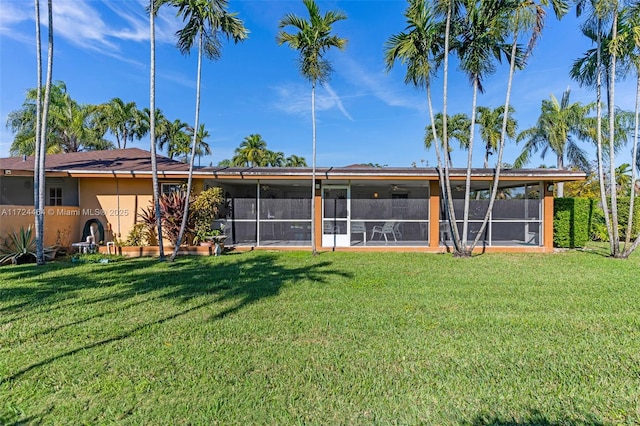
341, 338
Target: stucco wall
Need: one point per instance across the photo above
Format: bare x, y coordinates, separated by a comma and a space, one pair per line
114, 202
61, 224
18, 190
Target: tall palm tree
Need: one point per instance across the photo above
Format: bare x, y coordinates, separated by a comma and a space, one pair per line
36, 166
40, 260
42, 110
630, 32
312, 39
604, 14
154, 6
206, 21
481, 40
423, 48
526, 18
251, 151
490, 123
557, 128
123, 120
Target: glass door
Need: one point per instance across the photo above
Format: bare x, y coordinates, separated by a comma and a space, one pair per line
335, 216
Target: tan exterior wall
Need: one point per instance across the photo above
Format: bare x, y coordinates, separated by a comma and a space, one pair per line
114, 202
61, 224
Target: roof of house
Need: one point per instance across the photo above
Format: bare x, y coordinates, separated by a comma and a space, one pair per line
135, 161
129, 159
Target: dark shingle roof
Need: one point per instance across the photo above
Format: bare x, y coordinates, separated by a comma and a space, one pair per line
129, 159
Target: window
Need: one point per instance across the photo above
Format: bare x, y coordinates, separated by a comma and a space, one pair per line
55, 196
168, 188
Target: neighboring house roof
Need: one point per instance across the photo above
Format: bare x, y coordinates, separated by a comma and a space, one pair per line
135, 161
129, 160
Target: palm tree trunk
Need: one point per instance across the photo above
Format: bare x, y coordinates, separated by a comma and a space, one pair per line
152, 128
612, 165
439, 157
560, 164
313, 168
634, 174
445, 137
503, 138
43, 139
467, 185
39, 209
185, 215
601, 175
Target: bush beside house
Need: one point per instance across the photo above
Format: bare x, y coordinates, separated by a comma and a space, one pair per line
579, 220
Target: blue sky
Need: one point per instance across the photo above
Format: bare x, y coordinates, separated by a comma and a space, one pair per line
364, 114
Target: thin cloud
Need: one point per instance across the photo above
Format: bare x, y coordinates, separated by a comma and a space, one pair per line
84, 25
378, 85
295, 99
334, 100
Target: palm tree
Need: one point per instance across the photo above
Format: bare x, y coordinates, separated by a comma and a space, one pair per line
42, 111
153, 10
295, 161
490, 123
71, 127
202, 147
557, 128
174, 135
274, 159
37, 183
312, 40
251, 151
480, 41
630, 32
459, 128
422, 47
526, 16
123, 120
602, 14
206, 22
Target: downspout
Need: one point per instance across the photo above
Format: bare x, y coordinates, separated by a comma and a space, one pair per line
117, 205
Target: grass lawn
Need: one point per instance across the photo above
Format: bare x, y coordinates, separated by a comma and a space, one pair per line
341, 338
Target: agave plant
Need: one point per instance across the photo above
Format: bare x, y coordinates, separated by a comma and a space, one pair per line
18, 247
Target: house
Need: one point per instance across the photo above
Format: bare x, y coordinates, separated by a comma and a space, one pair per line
357, 207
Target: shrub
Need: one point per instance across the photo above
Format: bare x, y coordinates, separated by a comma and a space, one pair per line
599, 228
572, 220
137, 235
172, 206
578, 220
205, 207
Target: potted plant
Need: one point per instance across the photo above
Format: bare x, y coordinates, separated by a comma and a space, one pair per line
202, 235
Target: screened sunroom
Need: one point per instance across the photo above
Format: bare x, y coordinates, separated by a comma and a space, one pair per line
384, 208
516, 217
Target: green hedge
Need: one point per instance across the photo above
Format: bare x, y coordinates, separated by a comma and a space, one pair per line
579, 220
572, 218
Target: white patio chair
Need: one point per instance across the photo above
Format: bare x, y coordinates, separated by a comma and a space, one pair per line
387, 228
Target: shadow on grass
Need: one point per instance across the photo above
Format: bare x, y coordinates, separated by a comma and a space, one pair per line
534, 418
233, 282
